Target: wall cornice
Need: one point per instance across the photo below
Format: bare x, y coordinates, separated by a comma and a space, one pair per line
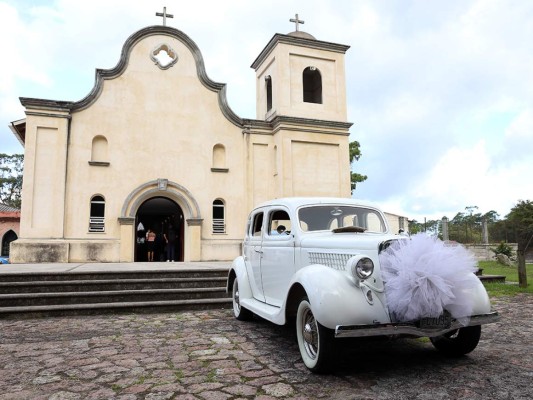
297, 41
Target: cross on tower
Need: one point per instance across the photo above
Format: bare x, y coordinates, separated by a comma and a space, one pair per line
165, 15
297, 21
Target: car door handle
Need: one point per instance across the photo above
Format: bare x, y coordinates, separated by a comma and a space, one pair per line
258, 251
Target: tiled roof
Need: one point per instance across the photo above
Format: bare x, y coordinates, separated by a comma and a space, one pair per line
4, 208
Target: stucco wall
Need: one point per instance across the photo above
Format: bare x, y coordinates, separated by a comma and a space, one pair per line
143, 124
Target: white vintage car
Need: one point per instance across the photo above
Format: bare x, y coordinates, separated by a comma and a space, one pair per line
318, 260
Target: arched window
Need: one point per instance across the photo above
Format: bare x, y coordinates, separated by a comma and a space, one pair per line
268, 82
99, 149
219, 216
96, 219
9, 237
312, 84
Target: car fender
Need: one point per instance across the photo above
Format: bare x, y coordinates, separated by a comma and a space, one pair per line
238, 271
336, 299
481, 301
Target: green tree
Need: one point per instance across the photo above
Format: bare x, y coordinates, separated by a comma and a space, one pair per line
457, 228
415, 227
355, 155
473, 225
466, 227
520, 220
491, 216
11, 167
430, 226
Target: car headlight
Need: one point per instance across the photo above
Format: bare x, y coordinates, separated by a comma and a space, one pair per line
363, 268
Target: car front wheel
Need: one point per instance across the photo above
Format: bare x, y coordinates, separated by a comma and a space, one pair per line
241, 313
458, 342
316, 342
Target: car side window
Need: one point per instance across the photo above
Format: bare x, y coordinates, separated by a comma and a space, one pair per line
279, 223
257, 224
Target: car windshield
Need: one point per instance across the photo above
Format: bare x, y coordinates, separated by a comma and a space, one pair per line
329, 217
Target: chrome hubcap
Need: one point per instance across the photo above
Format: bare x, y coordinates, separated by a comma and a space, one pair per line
236, 303
310, 333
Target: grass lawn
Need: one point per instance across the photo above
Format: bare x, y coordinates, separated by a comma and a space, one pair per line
510, 287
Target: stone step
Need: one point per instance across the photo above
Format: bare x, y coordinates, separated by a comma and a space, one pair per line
112, 296
76, 293
115, 308
108, 285
113, 275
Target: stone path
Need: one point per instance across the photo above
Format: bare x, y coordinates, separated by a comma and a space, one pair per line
210, 355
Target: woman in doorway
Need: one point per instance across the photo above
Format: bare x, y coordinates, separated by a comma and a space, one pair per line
150, 243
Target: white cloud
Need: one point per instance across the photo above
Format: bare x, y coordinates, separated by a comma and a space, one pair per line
439, 92
521, 127
465, 177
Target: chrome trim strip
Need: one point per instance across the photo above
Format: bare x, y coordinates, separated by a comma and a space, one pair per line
408, 328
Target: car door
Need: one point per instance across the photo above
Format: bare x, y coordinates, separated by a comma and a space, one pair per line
277, 257
252, 253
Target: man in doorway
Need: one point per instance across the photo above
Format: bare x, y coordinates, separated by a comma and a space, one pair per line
170, 239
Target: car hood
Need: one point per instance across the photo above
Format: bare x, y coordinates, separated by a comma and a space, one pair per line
348, 241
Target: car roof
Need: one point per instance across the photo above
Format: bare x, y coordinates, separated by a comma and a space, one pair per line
294, 203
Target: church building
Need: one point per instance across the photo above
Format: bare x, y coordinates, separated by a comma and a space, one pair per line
155, 145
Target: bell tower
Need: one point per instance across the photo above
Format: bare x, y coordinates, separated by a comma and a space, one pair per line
300, 76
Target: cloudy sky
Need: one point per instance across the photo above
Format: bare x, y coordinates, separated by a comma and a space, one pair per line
440, 92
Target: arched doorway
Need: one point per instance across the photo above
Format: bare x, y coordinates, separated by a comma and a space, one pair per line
9, 237
164, 217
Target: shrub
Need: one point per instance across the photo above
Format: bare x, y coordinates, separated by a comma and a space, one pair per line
503, 248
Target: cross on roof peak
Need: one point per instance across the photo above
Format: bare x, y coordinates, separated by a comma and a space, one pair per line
164, 15
297, 21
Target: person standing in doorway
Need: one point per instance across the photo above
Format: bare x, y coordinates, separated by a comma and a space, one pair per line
159, 247
170, 239
150, 243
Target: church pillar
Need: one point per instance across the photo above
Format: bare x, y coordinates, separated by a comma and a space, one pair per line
127, 235
45, 165
194, 234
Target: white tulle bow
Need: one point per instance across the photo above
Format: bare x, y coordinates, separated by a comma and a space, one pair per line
424, 276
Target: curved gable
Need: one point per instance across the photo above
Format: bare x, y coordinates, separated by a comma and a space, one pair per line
106, 74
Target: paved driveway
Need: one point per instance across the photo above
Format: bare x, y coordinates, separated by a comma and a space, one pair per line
210, 355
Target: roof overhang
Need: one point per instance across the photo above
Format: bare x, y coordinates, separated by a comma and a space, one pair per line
19, 130
297, 41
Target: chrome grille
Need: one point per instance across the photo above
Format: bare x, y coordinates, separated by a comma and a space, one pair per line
332, 260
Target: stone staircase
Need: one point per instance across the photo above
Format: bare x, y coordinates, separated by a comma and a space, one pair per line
81, 293
98, 292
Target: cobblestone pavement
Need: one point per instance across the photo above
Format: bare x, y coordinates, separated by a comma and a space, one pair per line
210, 355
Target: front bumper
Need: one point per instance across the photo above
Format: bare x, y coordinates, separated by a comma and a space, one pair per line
409, 328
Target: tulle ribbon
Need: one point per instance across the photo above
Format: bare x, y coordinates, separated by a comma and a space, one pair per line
424, 276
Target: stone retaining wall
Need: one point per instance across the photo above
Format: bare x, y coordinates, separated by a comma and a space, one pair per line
483, 251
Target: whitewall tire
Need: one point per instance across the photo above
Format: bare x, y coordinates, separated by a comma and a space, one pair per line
241, 313
316, 342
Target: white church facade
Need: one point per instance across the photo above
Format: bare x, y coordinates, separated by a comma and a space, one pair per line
155, 145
